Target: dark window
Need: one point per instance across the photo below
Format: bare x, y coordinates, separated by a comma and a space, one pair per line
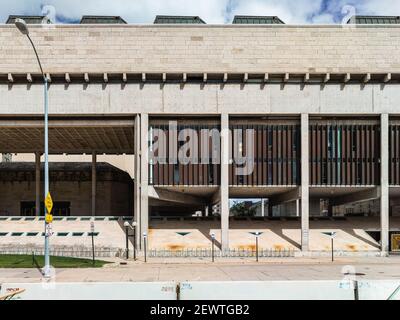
60, 208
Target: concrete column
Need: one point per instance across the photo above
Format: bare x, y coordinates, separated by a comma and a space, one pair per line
224, 181
144, 175
385, 183
305, 226
330, 208
297, 207
37, 183
262, 208
94, 158
136, 186
270, 213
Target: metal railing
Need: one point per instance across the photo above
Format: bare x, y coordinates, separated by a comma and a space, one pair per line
231, 253
65, 252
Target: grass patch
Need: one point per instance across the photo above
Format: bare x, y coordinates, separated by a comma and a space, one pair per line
26, 261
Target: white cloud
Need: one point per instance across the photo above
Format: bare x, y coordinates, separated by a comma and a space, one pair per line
212, 11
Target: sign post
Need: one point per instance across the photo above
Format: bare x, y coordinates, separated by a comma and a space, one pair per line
212, 245
332, 236
92, 233
257, 234
145, 246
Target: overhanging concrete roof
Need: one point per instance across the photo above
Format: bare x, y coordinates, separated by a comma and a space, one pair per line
74, 136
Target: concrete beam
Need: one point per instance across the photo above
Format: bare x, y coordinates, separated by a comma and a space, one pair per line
305, 214
384, 183
367, 78
360, 196
175, 196
289, 196
387, 78
216, 197
286, 77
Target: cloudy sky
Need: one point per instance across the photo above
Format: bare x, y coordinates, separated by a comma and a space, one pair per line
212, 11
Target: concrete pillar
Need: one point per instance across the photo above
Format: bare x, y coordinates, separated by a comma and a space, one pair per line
305, 226
385, 183
262, 208
136, 186
270, 213
297, 207
37, 183
206, 211
144, 175
224, 181
94, 158
330, 208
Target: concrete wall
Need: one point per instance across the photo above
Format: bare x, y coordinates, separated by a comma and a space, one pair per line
113, 198
204, 48
122, 162
201, 99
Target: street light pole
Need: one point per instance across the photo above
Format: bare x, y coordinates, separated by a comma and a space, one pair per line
23, 28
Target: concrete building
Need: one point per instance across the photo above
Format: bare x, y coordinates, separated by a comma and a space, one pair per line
321, 101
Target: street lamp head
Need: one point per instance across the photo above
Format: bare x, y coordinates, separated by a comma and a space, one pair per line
126, 224
22, 26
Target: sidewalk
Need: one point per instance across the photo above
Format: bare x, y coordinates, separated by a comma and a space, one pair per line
228, 269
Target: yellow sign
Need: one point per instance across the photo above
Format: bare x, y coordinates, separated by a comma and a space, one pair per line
48, 202
49, 218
